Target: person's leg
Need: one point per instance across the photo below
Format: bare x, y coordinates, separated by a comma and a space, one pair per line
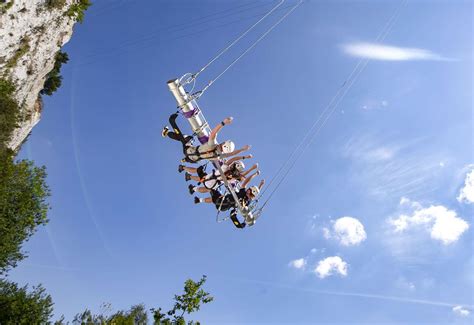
176, 135
201, 200
203, 190
190, 169
189, 177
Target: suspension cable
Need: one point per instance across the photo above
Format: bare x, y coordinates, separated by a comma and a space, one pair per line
195, 75
362, 63
201, 92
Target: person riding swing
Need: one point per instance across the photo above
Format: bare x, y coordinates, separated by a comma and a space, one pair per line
211, 150
226, 202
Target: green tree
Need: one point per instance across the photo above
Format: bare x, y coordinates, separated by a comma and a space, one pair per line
190, 301
76, 10
54, 78
18, 306
23, 206
186, 303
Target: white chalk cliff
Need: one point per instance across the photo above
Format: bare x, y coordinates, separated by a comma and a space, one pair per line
31, 33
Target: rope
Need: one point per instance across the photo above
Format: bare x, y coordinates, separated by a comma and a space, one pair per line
350, 80
195, 75
201, 92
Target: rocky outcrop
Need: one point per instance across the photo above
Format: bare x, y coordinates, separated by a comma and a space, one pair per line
31, 33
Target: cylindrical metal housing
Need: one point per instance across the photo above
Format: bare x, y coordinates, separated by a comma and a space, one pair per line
190, 110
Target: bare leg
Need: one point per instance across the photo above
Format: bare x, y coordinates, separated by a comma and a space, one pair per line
195, 178
203, 190
190, 169
208, 200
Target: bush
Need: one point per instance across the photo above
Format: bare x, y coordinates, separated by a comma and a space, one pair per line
55, 4
53, 78
9, 111
5, 6
22, 50
76, 10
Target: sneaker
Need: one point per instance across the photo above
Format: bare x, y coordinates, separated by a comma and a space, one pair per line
164, 132
187, 177
191, 189
180, 168
197, 200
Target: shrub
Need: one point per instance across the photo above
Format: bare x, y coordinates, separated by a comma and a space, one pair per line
55, 4
54, 78
22, 50
9, 111
5, 6
76, 10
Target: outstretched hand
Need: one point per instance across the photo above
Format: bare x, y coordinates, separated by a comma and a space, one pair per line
247, 147
228, 120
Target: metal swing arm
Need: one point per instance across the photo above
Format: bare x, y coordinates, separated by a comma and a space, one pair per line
191, 111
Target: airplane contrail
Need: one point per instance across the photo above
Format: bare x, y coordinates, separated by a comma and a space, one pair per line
358, 294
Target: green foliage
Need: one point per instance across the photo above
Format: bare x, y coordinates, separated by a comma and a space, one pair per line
76, 10
18, 306
22, 50
5, 6
8, 111
23, 206
54, 78
137, 315
186, 303
55, 4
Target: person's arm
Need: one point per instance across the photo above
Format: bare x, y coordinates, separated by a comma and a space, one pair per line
217, 128
235, 152
255, 166
248, 179
230, 161
262, 182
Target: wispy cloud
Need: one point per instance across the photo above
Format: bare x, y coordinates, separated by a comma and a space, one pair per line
466, 193
461, 311
376, 51
389, 169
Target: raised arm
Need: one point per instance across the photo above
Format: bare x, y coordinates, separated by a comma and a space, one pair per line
218, 127
248, 179
255, 166
235, 152
230, 161
262, 182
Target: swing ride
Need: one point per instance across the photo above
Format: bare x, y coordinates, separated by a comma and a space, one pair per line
232, 193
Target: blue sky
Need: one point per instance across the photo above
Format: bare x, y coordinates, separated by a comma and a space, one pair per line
393, 159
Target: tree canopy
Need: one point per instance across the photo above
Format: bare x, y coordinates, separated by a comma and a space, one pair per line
23, 206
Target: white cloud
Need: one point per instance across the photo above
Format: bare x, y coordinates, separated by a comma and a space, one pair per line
442, 224
376, 51
331, 265
349, 231
467, 192
461, 311
299, 263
